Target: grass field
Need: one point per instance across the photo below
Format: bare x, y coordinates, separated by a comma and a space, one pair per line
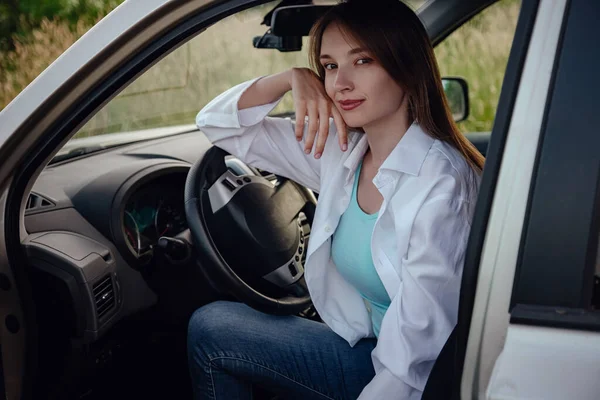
174, 89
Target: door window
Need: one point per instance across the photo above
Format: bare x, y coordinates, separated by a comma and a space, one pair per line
478, 51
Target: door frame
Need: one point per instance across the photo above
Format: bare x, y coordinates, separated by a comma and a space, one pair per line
502, 240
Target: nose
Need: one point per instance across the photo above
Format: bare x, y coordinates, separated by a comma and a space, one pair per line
343, 80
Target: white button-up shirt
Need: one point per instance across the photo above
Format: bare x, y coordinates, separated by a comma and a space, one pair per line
418, 242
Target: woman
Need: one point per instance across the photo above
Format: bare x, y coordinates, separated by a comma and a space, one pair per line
397, 185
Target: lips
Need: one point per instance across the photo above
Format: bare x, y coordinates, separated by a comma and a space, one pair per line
348, 105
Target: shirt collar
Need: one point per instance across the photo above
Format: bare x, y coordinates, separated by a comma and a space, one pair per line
356, 155
407, 157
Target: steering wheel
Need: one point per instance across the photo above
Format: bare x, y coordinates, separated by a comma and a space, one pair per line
251, 233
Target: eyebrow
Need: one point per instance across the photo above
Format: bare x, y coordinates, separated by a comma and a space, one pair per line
356, 50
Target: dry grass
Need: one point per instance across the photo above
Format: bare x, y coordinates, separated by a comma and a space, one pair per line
174, 89
21, 66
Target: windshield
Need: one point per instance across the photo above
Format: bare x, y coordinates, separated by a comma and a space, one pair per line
173, 91
165, 99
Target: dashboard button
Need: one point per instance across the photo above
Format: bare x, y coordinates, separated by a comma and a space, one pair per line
228, 185
293, 269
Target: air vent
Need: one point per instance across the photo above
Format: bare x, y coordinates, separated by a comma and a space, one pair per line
35, 202
104, 296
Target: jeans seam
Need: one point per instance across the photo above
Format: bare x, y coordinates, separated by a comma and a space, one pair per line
211, 359
212, 381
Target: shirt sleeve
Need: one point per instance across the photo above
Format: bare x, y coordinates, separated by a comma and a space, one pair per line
424, 311
258, 140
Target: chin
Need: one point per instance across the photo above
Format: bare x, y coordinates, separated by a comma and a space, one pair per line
355, 123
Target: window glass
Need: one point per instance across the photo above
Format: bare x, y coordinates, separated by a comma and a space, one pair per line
172, 91
478, 51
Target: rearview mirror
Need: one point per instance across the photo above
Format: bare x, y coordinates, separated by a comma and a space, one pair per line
288, 24
457, 94
281, 43
296, 20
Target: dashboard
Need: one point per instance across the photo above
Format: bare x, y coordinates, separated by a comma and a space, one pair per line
94, 223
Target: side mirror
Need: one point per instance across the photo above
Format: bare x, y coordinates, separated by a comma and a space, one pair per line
457, 93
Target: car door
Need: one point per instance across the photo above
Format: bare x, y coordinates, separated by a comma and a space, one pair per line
534, 331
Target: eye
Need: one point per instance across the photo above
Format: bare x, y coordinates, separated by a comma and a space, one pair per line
365, 60
329, 66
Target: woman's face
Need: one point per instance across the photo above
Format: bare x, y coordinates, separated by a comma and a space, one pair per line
361, 89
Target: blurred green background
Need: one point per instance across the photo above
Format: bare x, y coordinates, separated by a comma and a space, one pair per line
19, 17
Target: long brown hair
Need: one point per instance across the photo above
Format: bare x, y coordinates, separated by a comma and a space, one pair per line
397, 39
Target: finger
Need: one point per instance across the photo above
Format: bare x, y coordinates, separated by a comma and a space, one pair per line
313, 125
323, 130
342, 131
300, 114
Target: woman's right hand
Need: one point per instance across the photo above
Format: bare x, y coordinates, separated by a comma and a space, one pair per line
310, 99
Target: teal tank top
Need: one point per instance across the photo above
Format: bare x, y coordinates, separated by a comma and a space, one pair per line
351, 253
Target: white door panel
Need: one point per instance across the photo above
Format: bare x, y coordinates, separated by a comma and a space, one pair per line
490, 319
547, 364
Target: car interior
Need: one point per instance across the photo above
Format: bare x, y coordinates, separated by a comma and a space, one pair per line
128, 236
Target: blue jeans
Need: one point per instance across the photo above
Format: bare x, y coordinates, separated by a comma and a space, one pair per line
232, 346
